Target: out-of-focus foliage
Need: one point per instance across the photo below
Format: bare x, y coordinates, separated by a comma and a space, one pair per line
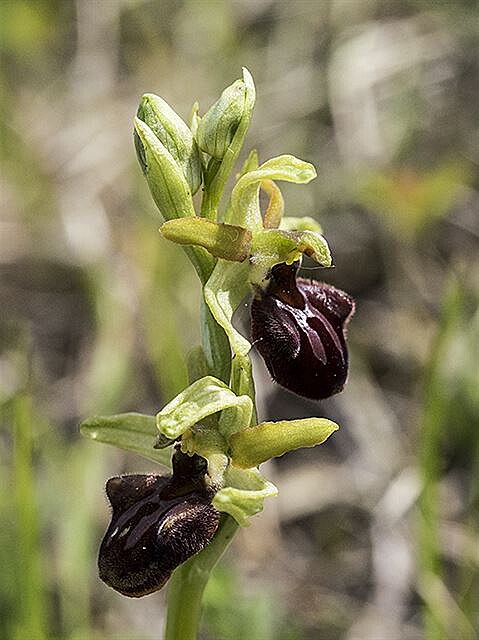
375, 534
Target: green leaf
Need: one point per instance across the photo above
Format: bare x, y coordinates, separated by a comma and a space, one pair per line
226, 287
129, 431
244, 494
201, 399
221, 240
250, 447
245, 209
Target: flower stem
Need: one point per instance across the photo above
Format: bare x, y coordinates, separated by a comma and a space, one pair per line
186, 585
188, 582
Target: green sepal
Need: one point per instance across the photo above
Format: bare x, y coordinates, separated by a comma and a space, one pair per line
244, 494
221, 240
254, 445
226, 287
174, 135
273, 246
245, 209
129, 431
204, 398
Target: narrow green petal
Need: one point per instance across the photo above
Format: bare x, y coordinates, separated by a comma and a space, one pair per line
250, 447
245, 209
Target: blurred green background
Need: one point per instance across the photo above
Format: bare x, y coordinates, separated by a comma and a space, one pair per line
374, 535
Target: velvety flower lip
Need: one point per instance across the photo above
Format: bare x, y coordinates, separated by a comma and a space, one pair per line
299, 328
157, 523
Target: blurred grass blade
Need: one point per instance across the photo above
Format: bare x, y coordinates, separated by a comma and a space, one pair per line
129, 431
440, 618
31, 613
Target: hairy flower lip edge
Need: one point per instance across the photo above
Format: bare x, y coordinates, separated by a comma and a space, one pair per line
157, 523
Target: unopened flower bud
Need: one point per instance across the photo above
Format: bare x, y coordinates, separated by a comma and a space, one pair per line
299, 328
165, 177
173, 134
157, 523
218, 126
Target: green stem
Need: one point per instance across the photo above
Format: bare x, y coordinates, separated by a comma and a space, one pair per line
186, 585
189, 581
216, 345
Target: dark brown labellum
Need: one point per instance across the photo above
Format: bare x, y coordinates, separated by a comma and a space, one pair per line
157, 523
299, 328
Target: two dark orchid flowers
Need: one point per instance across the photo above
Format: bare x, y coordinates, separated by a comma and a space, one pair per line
297, 325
